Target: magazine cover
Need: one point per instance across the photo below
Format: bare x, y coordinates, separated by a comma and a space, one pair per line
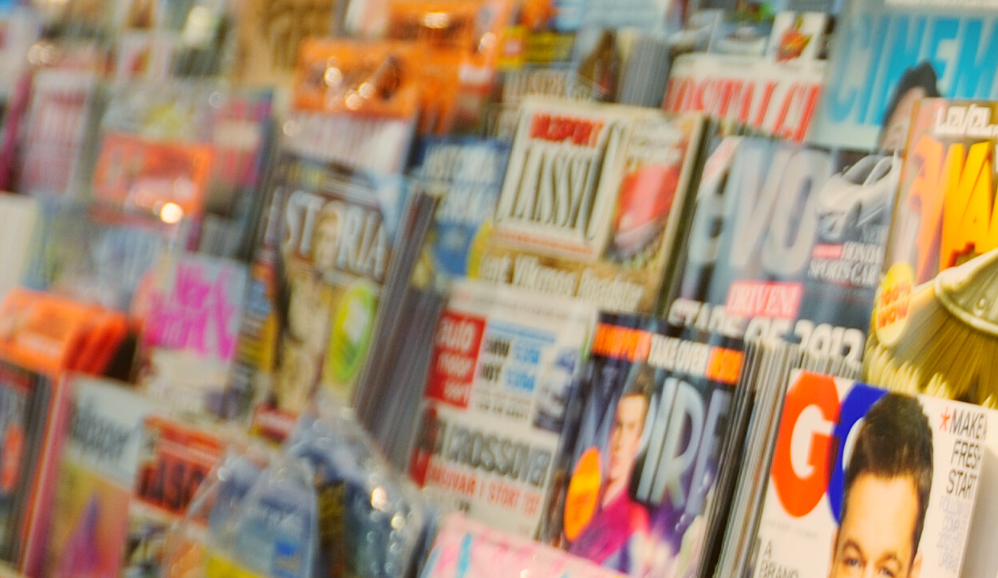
167, 179
335, 120
786, 242
174, 461
335, 234
933, 329
467, 173
592, 203
191, 327
59, 123
460, 42
866, 481
97, 259
886, 55
49, 334
639, 471
100, 465
501, 375
774, 98
464, 547
242, 136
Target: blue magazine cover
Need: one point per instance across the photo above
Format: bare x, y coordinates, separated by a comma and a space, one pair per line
889, 53
467, 172
786, 242
643, 447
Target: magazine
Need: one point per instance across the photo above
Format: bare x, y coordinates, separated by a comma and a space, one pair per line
167, 179
639, 471
190, 331
459, 43
889, 53
332, 120
931, 331
786, 243
500, 378
97, 258
940, 258
467, 173
100, 466
592, 203
334, 238
174, 461
463, 546
50, 334
869, 481
242, 136
59, 123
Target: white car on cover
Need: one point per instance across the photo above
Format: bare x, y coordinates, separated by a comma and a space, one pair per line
858, 195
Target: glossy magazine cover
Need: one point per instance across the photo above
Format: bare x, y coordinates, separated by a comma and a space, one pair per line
468, 173
933, 329
866, 481
333, 245
592, 203
74, 253
466, 548
58, 123
940, 261
99, 469
501, 375
168, 179
174, 461
642, 455
191, 329
887, 54
786, 243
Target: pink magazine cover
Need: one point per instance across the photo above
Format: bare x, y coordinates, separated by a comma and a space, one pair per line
468, 549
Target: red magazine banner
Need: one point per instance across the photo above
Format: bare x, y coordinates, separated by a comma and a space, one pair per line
455, 354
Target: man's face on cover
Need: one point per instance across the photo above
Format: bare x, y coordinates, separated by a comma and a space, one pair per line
877, 532
895, 133
626, 434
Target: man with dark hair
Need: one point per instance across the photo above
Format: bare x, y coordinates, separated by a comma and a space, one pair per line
916, 83
615, 537
886, 493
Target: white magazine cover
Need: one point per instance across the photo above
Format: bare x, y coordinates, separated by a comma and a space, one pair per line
870, 482
564, 175
107, 429
503, 367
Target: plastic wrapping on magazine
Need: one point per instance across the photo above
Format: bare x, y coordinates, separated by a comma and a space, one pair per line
202, 543
372, 522
362, 518
276, 528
